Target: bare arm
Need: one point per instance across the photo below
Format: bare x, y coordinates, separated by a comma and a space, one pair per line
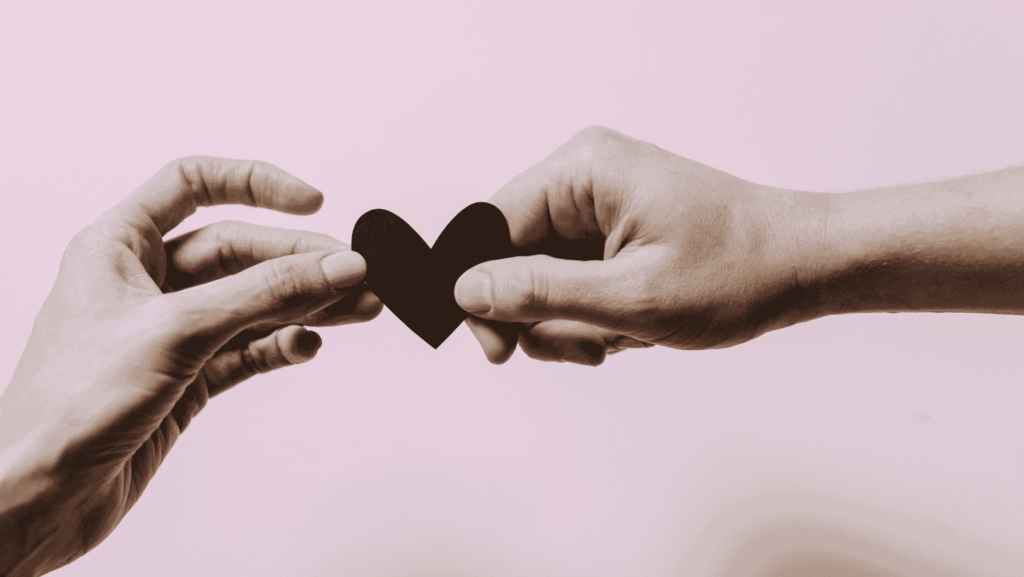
695, 258
949, 245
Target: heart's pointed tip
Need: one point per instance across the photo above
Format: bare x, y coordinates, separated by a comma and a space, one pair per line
437, 341
416, 281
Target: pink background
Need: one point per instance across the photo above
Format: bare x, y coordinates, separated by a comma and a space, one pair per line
864, 446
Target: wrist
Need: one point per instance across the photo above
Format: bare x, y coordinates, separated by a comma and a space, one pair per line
797, 231
35, 506
26, 519
952, 245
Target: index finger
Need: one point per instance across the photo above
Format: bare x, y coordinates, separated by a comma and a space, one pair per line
571, 194
179, 188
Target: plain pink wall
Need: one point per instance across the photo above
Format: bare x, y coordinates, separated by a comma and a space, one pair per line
872, 443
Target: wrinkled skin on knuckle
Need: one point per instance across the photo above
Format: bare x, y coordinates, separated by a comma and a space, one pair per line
281, 285
225, 236
260, 175
569, 193
190, 169
317, 241
573, 172
261, 360
259, 171
523, 293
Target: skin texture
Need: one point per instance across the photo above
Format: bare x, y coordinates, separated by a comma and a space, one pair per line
137, 334
690, 257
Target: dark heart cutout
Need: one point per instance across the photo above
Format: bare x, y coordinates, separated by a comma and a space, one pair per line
417, 282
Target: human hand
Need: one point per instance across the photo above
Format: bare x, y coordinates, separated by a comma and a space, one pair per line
137, 334
687, 256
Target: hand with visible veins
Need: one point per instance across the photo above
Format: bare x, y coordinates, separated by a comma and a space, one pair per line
138, 333
690, 257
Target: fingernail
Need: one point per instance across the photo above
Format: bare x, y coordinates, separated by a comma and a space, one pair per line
473, 291
343, 269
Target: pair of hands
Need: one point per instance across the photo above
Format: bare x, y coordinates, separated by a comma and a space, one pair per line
138, 332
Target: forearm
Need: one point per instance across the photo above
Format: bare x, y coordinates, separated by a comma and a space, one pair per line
38, 507
950, 245
27, 524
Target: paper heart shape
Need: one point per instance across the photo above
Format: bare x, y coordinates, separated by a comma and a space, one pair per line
417, 282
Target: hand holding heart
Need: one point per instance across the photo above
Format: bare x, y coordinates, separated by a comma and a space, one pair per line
692, 257
622, 245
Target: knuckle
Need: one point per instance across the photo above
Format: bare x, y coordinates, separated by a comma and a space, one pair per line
573, 164
257, 175
600, 141
317, 241
189, 167
603, 145
279, 282
191, 171
309, 241
81, 242
226, 236
261, 171
525, 291
595, 134
258, 360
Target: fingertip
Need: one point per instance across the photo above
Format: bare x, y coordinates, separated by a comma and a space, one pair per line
497, 342
298, 345
307, 203
591, 354
314, 204
564, 341
584, 360
473, 291
368, 307
294, 195
308, 343
588, 358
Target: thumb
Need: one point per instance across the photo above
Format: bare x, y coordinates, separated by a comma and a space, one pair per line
276, 291
538, 288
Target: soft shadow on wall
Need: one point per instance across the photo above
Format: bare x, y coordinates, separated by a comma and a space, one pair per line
789, 535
